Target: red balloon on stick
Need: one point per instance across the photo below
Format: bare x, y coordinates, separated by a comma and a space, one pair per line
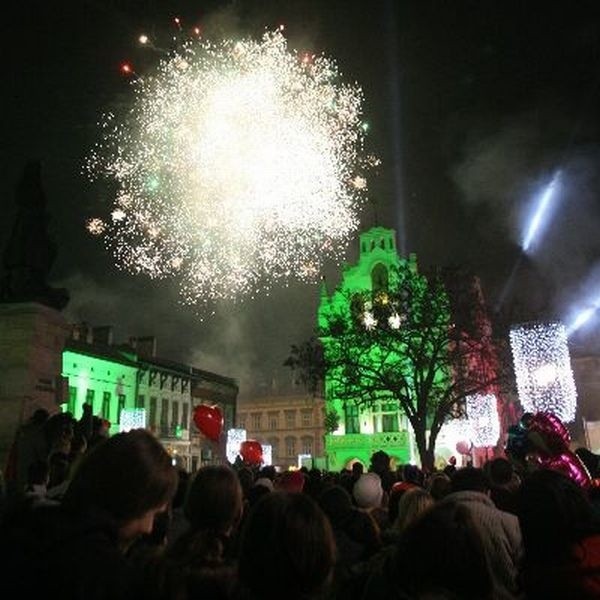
251, 452
209, 420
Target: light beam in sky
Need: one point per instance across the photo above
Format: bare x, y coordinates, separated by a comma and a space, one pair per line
542, 208
237, 166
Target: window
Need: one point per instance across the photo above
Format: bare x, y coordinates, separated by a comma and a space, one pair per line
307, 445
242, 421
164, 416
106, 405
72, 399
379, 278
256, 421
185, 416
290, 446
120, 407
175, 416
274, 447
273, 421
306, 418
352, 420
385, 417
152, 416
141, 401
290, 419
89, 398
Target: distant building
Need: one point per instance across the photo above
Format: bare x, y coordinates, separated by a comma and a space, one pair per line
292, 425
113, 378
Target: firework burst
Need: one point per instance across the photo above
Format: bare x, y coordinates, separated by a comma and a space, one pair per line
238, 165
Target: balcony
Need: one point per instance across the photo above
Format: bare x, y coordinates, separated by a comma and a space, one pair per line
378, 441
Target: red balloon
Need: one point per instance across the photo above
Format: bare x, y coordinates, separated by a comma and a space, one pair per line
209, 420
251, 452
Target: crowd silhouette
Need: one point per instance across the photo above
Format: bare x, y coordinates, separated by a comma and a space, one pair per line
87, 516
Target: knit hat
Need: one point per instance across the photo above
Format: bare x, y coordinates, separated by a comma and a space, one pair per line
367, 491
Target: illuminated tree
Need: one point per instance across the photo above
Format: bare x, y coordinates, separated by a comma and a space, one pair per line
398, 343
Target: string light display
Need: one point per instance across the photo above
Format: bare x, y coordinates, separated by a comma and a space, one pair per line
236, 165
543, 369
235, 437
267, 454
482, 413
132, 418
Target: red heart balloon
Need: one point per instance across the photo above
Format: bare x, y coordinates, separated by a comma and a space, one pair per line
209, 420
251, 452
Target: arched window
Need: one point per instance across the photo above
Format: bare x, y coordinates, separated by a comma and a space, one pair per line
290, 447
274, 441
307, 445
379, 278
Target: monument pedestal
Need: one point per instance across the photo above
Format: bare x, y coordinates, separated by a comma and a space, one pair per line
32, 338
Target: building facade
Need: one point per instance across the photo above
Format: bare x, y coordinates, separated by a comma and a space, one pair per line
113, 378
363, 430
293, 425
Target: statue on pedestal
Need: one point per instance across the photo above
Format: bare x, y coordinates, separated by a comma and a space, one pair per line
30, 253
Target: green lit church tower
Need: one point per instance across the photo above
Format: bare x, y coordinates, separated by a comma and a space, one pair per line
363, 430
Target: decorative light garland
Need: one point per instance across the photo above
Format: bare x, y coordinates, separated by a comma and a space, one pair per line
482, 412
234, 439
543, 369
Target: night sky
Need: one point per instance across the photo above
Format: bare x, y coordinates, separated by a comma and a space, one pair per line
472, 107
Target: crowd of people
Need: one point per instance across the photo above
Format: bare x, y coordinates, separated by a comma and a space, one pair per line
100, 517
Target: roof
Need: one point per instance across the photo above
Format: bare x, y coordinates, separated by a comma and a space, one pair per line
102, 351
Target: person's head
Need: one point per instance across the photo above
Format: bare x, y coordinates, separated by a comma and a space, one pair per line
336, 503
380, 462
553, 512
412, 474
214, 500
470, 479
413, 503
357, 469
290, 534
442, 553
129, 477
367, 491
39, 416
500, 472
439, 486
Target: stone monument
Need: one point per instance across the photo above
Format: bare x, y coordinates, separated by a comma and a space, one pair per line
32, 329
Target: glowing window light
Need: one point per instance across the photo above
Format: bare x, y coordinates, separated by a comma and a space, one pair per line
132, 418
482, 411
543, 369
267, 454
232, 447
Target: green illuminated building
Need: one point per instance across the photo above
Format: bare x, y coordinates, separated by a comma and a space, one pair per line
112, 378
378, 425
105, 378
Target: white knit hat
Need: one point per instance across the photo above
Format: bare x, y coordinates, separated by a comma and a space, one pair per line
367, 491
